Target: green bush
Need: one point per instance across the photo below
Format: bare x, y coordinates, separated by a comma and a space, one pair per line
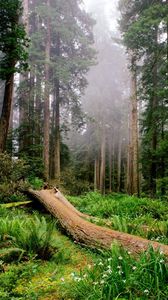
12, 175
34, 236
35, 182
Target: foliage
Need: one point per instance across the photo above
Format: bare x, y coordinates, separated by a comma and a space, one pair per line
12, 38
33, 237
12, 175
72, 184
35, 182
144, 28
119, 276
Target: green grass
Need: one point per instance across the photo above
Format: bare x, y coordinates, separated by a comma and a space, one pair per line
119, 276
139, 216
72, 272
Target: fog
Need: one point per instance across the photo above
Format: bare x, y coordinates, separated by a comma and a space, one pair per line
106, 99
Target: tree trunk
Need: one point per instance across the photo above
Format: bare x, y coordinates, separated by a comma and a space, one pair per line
103, 163
119, 164
110, 165
57, 155
6, 111
24, 93
135, 150
95, 174
47, 96
87, 233
154, 106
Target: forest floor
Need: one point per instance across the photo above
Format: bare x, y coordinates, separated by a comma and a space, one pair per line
74, 272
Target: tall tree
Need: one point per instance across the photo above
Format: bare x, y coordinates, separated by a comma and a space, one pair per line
12, 49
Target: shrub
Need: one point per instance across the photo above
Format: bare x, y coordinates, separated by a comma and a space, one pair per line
32, 236
35, 182
12, 175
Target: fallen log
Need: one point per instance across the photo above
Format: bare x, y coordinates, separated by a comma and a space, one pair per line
15, 204
84, 232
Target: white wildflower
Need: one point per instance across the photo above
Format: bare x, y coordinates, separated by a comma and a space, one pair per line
146, 291
134, 268
120, 258
62, 279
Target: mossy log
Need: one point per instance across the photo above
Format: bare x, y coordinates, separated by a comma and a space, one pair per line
84, 232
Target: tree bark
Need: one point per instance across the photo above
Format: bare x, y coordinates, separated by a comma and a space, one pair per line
135, 146
87, 233
47, 95
119, 163
103, 163
6, 111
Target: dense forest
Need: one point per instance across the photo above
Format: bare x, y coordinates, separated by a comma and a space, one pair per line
84, 113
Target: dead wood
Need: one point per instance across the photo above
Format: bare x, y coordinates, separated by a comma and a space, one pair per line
84, 232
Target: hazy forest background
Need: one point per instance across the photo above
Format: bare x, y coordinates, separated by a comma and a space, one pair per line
90, 109
83, 149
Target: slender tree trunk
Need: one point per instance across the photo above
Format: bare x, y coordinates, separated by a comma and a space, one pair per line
135, 150
110, 165
103, 163
154, 105
95, 174
6, 111
119, 164
47, 96
57, 150
24, 94
57, 163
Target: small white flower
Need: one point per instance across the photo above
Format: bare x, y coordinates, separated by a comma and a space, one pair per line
162, 261
62, 279
120, 272
129, 252
161, 252
124, 281
134, 268
120, 258
146, 291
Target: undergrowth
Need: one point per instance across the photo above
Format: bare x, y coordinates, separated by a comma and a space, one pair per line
139, 216
119, 276
22, 237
